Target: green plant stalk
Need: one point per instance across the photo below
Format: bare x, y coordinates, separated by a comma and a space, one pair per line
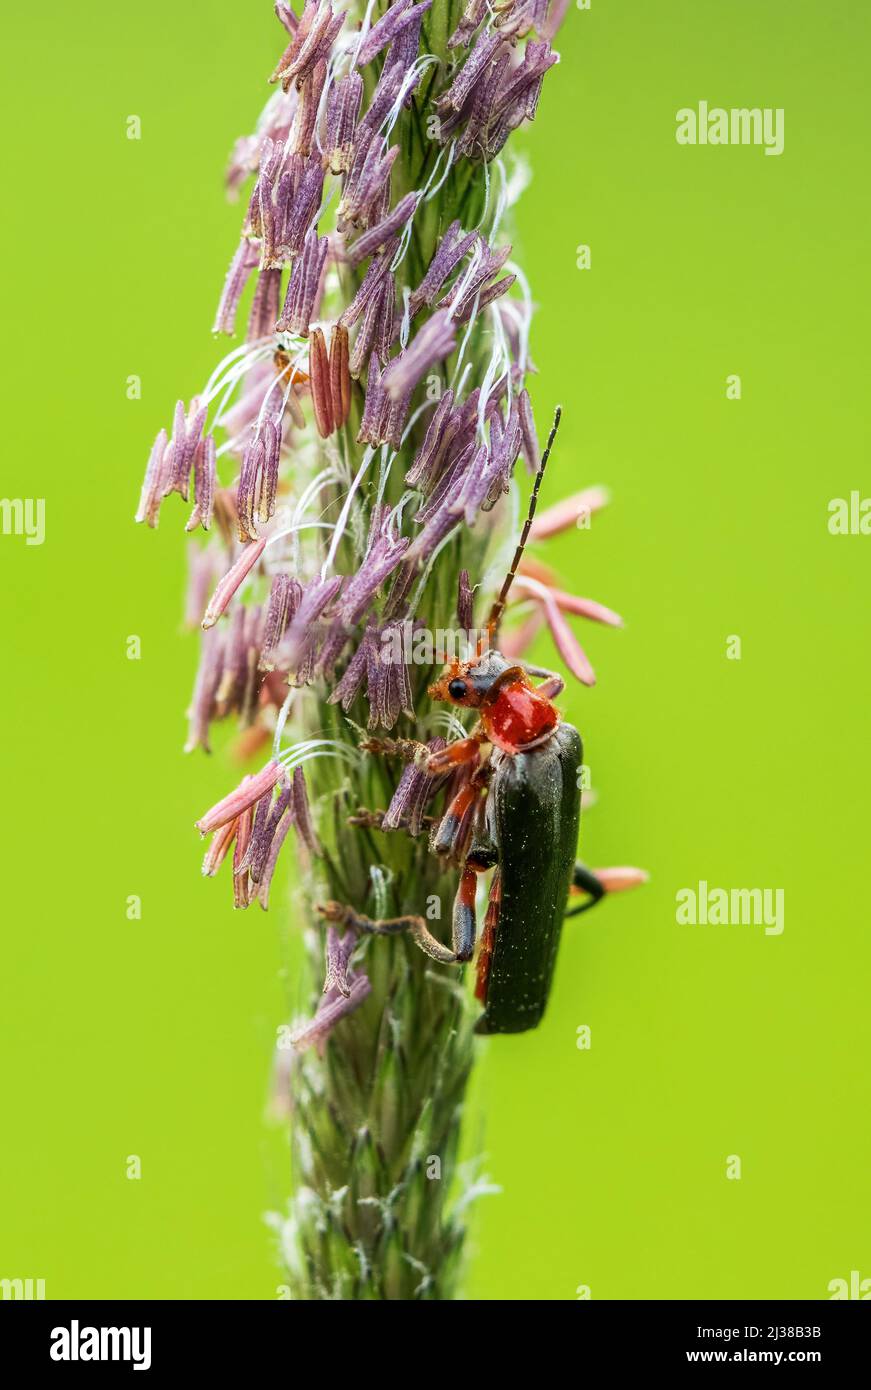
377, 1210
376, 1117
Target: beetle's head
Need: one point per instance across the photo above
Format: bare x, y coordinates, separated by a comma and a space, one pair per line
468, 682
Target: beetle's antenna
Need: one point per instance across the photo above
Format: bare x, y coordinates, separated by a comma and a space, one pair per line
498, 608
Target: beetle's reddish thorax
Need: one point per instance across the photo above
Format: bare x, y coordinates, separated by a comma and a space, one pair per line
519, 718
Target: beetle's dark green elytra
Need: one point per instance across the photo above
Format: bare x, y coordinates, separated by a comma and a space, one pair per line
534, 809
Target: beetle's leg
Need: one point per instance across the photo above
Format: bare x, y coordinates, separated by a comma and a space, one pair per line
455, 824
409, 749
552, 685
372, 820
481, 856
585, 880
393, 926
488, 939
464, 915
369, 820
463, 750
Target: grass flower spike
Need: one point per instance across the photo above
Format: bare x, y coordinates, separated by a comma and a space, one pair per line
356, 462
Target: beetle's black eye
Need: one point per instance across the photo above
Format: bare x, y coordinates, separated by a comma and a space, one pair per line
457, 689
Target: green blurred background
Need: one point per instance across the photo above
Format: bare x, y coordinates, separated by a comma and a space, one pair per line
154, 1037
